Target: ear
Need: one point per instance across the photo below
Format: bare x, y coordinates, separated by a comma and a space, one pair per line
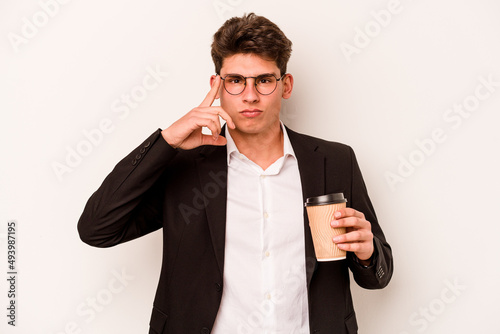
287, 86
212, 82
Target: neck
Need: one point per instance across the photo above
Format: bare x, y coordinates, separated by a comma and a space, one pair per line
262, 148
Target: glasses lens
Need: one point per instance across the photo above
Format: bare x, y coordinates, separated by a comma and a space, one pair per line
266, 84
234, 84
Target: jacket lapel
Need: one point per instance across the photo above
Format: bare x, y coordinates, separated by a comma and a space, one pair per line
212, 171
312, 176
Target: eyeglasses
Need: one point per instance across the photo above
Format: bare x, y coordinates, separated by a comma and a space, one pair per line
265, 84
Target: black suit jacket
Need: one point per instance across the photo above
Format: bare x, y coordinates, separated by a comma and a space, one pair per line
184, 192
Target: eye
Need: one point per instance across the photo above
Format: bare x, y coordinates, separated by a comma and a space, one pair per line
267, 79
235, 80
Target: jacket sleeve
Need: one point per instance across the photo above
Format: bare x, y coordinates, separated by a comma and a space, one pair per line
127, 205
378, 274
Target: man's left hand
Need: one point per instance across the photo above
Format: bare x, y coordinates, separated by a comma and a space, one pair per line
358, 237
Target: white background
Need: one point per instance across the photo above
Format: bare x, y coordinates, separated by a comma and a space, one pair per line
440, 216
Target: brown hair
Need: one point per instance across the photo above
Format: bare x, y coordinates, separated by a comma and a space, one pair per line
251, 34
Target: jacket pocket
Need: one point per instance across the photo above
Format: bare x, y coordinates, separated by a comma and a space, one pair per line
351, 325
157, 322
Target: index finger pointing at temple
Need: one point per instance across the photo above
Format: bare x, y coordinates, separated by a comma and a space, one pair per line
210, 98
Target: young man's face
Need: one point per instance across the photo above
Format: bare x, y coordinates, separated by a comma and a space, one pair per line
252, 112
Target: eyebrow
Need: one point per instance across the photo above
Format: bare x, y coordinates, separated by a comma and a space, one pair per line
241, 75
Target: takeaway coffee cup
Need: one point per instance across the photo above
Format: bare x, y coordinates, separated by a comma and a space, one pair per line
320, 211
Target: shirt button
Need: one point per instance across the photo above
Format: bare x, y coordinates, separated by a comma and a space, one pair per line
268, 254
262, 176
268, 296
242, 157
266, 215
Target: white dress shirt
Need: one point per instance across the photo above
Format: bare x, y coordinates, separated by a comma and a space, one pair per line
264, 290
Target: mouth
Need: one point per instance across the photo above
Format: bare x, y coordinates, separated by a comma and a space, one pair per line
251, 112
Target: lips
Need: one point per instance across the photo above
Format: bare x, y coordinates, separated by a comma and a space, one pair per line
251, 112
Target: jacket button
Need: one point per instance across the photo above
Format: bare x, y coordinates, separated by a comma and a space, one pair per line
205, 330
134, 162
138, 156
142, 150
218, 287
147, 144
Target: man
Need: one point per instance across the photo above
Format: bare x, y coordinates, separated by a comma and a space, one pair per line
238, 255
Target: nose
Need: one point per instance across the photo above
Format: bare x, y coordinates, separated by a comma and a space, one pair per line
250, 93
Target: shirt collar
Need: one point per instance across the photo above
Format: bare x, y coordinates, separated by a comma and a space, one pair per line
232, 150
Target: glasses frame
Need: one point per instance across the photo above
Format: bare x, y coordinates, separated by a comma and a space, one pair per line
255, 82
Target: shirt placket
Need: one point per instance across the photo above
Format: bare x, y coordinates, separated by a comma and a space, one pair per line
267, 306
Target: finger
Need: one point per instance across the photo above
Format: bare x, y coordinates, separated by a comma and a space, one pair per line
362, 250
218, 111
210, 98
353, 237
208, 120
348, 212
353, 222
225, 116
211, 140
354, 247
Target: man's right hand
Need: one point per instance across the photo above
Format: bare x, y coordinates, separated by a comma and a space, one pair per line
186, 132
